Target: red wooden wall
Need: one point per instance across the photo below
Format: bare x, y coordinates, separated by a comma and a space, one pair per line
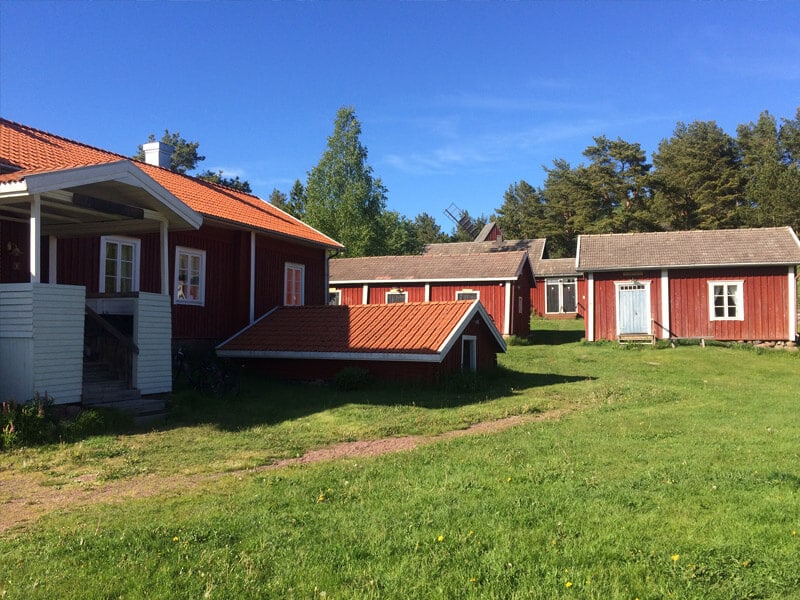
765, 298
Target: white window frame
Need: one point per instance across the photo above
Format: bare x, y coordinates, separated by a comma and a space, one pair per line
561, 282
301, 296
136, 243
201, 294
403, 293
468, 291
469, 341
739, 295
337, 294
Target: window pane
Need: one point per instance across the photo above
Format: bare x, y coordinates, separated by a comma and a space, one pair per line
570, 297
552, 298
111, 251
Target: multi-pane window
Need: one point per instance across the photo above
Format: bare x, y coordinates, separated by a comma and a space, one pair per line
190, 276
294, 285
119, 264
561, 295
396, 297
334, 297
725, 300
467, 295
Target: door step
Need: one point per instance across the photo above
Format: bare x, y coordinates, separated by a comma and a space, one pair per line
636, 338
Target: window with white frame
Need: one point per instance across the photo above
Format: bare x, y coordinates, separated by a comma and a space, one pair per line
190, 276
119, 264
561, 295
725, 300
294, 285
468, 295
334, 297
396, 297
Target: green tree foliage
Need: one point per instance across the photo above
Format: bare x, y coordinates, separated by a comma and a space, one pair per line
342, 198
294, 204
521, 216
428, 231
698, 180
400, 234
184, 153
185, 159
220, 179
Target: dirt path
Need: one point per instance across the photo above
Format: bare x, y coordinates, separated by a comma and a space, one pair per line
25, 497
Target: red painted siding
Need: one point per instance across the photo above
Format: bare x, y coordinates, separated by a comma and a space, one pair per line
765, 304
350, 295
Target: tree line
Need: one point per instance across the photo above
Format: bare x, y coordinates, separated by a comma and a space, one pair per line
699, 178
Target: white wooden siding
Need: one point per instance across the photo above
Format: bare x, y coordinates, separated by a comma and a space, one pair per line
152, 327
41, 341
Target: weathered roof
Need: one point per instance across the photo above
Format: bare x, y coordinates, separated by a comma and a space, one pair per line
25, 151
723, 247
557, 267
534, 248
361, 332
500, 266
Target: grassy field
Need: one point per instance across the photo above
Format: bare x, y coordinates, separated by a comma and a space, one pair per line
673, 473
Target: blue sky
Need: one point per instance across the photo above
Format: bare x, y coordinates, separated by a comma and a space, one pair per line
457, 100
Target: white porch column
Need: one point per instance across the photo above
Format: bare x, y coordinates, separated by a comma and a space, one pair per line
665, 325
164, 236
252, 276
52, 276
36, 239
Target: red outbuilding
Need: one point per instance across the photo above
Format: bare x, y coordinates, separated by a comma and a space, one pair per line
732, 284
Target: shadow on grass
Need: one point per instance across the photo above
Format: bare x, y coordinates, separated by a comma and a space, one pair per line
555, 337
269, 402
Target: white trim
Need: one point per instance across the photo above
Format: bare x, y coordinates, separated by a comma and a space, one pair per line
36, 239
646, 286
507, 311
252, 293
136, 243
52, 275
665, 324
201, 295
792, 304
338, 294
468, 291
589, 305
473, 357
364, 293
418, 281
404, 293
739, 283
289, 266
427, 292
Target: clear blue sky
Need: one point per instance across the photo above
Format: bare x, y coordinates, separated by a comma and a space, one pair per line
457, 100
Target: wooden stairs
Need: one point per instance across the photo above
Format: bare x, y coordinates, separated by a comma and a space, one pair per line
101, 388
636, 338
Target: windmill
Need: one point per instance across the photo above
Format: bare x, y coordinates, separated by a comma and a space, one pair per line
462, 220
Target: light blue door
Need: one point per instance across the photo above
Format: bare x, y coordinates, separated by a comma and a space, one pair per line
634, 309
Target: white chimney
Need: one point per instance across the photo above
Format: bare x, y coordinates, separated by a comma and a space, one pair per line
157, 153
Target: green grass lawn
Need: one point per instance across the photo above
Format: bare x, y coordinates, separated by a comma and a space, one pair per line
675, 473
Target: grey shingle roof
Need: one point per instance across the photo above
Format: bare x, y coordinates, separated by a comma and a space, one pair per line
534, 248
724, 247
503, 265
557, 267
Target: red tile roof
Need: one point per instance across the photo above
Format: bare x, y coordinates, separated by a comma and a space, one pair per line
497, 266
27, 151
374, 330
723, 247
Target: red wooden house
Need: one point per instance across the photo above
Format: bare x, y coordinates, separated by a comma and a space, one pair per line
732, 284
408, 342
146, 254
560, 291
500, 280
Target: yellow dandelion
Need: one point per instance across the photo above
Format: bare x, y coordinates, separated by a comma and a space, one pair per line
440, 538
508, 480
675, 557
794, 532
568, 584
175, 539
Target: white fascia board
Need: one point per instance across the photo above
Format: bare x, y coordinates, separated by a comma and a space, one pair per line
13, 189
418, 281
361, 356
477, 308
578, 253
694, 266
246, 327
123, 171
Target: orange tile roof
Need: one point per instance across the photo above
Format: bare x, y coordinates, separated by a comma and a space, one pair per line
28, 150
373, 329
